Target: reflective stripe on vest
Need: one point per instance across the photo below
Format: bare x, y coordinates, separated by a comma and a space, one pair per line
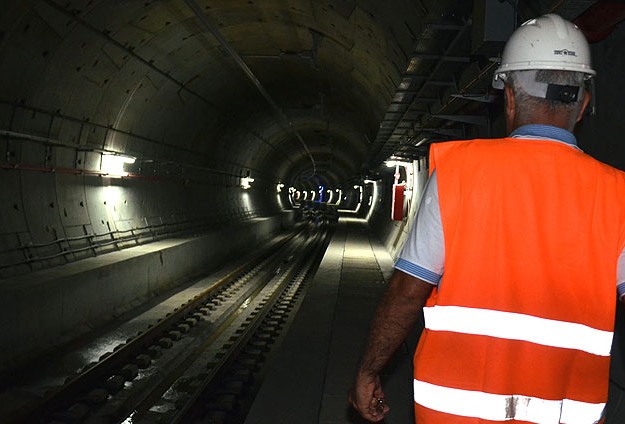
496, 407
514, 326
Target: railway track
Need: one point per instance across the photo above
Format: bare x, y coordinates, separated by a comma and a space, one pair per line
201, 363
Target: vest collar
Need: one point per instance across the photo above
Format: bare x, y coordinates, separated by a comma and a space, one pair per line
545, 132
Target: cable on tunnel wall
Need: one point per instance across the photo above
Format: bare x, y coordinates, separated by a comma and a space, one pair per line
233, 53
48, 141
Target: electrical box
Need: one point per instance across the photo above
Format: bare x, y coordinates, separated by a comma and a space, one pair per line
493, 23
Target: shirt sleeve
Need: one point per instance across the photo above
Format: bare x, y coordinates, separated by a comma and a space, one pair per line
423, 254
620, 275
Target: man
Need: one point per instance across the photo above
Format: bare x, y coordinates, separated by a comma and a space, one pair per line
512, 258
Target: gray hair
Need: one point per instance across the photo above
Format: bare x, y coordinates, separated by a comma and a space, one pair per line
528, 105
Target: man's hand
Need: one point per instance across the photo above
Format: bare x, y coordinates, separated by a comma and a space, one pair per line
367, 398
395, 316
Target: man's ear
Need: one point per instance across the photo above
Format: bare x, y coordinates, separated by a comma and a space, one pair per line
585, 102
509, 107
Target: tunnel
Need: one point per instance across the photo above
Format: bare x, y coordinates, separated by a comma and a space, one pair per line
146, 143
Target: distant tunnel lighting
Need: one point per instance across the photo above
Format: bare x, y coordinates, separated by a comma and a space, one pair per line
392, 163
420, 142
359, 205
113, 164
279, 187
373, 199
330, 196
246, 182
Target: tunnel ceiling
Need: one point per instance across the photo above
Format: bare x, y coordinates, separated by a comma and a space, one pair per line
333, 88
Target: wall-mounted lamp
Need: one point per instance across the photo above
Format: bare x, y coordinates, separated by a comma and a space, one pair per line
246, 182
113, 164
392, 163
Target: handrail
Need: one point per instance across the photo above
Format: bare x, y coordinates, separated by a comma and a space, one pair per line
139, 235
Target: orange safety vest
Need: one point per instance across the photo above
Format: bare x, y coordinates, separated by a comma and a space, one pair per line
520, 327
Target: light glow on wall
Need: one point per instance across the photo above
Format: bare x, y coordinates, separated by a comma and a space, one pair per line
373, 199
293, 196
359, 205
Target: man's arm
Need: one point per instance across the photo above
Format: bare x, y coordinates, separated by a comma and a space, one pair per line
395, 317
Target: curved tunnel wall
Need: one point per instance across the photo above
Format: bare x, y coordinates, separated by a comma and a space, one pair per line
52, 218
84, 79
80, 78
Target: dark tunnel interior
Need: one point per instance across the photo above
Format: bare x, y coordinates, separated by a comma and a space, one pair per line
128, 123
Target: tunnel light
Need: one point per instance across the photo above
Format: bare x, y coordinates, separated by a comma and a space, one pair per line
372, 202
420, 142
359, 205
279, 187
246, 182
373, 199
392, 163
113, 164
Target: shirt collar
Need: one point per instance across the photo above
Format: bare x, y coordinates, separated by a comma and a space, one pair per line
545, 132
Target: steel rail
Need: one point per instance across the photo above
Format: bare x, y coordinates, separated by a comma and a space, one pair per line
217, 371
101, 370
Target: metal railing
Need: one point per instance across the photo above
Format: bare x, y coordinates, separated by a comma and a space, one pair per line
71, 249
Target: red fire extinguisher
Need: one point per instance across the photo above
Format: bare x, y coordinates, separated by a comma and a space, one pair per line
397, 209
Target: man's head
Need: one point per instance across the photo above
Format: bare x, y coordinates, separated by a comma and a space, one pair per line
545, 71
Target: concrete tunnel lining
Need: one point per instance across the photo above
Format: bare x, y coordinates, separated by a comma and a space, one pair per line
141, 78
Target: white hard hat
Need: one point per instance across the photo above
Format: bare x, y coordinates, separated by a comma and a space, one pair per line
546, 42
